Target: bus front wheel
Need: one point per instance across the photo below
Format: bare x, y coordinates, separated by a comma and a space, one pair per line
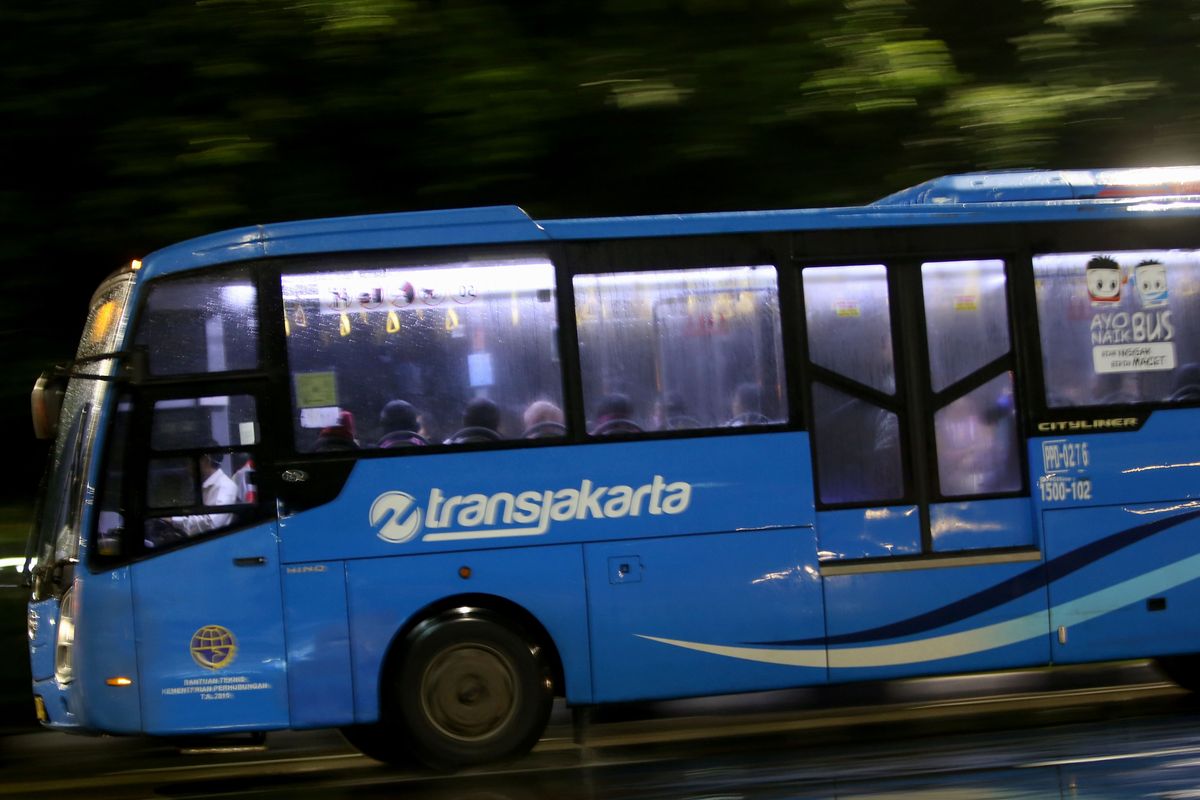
472, 690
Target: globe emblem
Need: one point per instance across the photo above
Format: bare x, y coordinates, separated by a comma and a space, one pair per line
213, 647
396, 515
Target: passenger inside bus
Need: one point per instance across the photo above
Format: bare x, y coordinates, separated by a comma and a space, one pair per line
398, 419
337, 437
670, 414
614, 415
747, 406
481, 423
543, 419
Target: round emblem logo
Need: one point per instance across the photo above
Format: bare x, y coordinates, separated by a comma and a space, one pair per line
213, 647
396, 515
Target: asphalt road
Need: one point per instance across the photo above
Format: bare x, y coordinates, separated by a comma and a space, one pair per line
1111, 732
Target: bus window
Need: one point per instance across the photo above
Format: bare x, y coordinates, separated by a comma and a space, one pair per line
407, 356
195, 325
849, 324
977, 441
1119, 327
857, 449
966, 317
857, 442
196, 491
679, 350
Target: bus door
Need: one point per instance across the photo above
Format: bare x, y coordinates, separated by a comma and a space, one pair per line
208, 617
924, 522
180, 506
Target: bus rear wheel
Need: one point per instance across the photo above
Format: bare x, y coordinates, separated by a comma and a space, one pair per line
472, 690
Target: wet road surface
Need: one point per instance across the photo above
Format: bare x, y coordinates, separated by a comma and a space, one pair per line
1111, 732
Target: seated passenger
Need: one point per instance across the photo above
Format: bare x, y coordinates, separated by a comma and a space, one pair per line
337, 437
543, 419
615, 415
398, 421
670, 414
747, 406
481, 422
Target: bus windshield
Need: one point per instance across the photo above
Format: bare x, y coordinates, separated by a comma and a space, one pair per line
56, 533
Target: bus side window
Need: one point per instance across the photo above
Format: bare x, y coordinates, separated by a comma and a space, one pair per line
1119, 327
857, 441
192, 483
680, 349
399, 356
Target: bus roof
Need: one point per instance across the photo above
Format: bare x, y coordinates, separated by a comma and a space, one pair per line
971, 198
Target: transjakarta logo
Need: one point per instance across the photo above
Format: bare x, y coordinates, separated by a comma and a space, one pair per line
398, 517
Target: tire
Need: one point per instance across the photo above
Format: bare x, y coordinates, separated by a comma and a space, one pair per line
471, 690
1184, 670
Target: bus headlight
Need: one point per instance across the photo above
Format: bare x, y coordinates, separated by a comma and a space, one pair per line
64, 644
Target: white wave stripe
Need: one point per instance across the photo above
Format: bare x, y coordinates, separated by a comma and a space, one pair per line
789, 658
975, 640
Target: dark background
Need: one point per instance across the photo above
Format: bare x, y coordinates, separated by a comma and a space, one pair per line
128, 126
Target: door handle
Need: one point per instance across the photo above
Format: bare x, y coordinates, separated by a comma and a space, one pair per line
250, 561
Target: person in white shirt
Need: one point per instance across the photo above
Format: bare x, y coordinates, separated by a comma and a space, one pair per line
217, 489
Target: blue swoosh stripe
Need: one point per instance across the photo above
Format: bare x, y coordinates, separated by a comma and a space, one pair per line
1030, 580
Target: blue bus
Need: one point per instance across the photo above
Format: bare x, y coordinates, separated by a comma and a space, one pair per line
416, 475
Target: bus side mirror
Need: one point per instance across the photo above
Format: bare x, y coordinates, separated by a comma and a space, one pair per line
46, 401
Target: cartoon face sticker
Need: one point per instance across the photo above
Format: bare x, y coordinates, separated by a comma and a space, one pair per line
1104, 280
1151, 280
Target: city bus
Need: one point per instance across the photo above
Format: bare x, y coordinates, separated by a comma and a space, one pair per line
415, 476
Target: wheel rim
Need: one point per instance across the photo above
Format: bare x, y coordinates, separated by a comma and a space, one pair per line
469, 692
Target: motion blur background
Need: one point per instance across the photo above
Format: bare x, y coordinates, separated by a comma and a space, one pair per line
128, 126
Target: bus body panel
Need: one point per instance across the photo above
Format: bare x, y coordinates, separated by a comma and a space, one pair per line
850, 533
58, 700
982, 524
896, 624
386, 594
320, 684
462, 501
1157, 461
105, 647
209, 623
1122, 545
1124, 580
695, 615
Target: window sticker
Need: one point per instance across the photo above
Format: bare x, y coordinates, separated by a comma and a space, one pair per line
1137, 340
1119, 327
316, 389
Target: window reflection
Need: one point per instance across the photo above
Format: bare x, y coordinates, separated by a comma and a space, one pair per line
977, 441
858, 448
680, 350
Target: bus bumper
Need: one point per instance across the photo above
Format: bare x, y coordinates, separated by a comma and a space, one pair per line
52, 702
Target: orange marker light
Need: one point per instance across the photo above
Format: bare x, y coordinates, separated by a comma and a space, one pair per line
464, 572
119, 681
